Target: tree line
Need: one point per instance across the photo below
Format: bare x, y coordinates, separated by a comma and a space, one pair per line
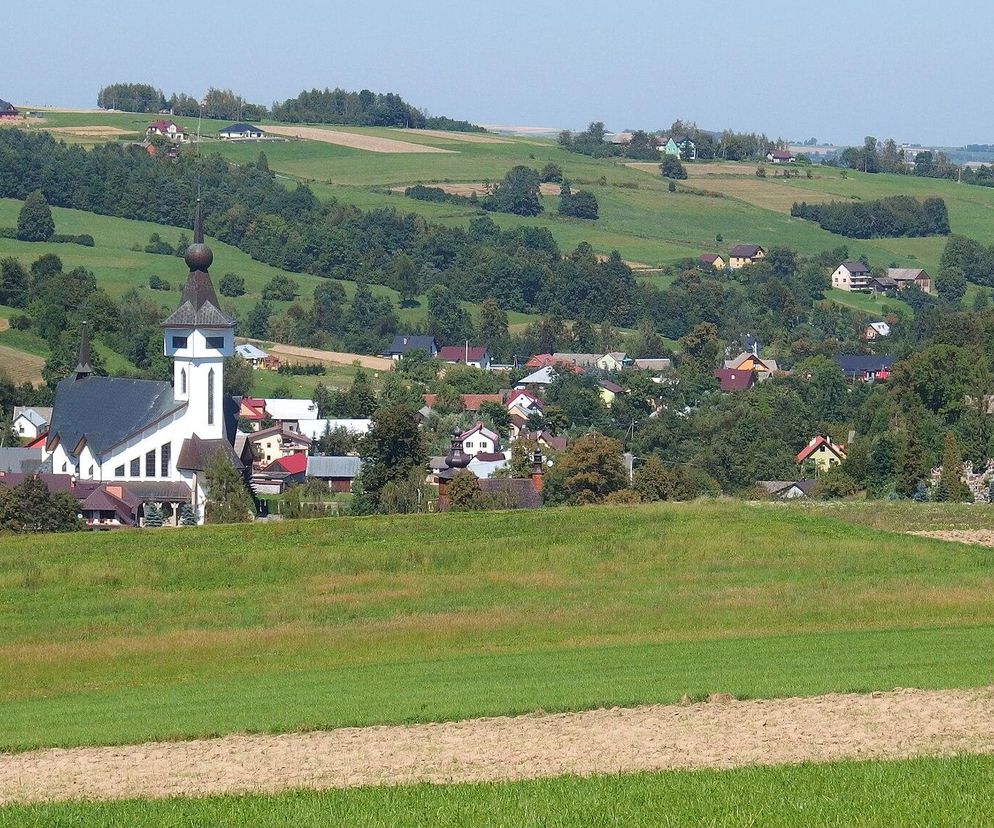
899, 215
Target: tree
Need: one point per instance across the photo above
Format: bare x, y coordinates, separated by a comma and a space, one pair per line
393, 449
336, 442
262, 163
493, 327
228, 500
464, 492
258, 320
239, 376
187, 517
404, 279
232, 285
30, 507
951, 479
153, 516
951, 284
834, 484
280, 289
587, 472
15, 284
497, 416
580, 204
446, 320
672, 168
551, 174
35, 222
653, 481
517, 193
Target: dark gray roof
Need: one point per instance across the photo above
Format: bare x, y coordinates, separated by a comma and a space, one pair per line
240, 128
855, 267
20, 460
521, 491
860, 364
159, 490
402, 343
347, 467
5, 106
195, 454
107, 410
199, 307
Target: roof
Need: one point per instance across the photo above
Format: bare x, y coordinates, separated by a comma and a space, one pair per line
580, 360
540, 361
778, 153
403, 343
769, 366
852, 364
460, 353
199, 306
885, 281
289, 409
881, 328
20, 460
6, 106
107, 410
163, 125
470, 402
240, 128
195, 454
252, 408
613, 387
543, 376
855, 267
653, 364
731, 379
315, 428
905, 274
745, 251
249, 351
341, 467
816, 443
777, 487
38, 416
160, 490
528, 399
291, 464
521, 490
479, 427
286, 434
709, 258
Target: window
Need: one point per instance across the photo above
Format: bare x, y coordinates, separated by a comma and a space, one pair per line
91, 472
136, 467
210, 397
119, 471
182, 380
180, 341
65, 468
469, 445
165, 455
150, 463
215, 342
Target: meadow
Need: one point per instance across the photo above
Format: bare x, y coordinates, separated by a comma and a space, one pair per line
932, 791
129, 637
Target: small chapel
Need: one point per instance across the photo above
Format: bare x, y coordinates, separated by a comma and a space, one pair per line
155, 437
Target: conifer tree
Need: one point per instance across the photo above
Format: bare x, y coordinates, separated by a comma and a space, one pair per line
153, 516
35, 222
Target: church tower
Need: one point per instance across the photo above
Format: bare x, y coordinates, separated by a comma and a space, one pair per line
198, 336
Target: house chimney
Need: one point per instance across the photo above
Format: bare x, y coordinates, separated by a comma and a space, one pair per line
537, 470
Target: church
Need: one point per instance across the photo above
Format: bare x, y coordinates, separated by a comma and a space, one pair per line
156, 438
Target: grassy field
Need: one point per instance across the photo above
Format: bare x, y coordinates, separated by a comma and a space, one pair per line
124, 637
934, 792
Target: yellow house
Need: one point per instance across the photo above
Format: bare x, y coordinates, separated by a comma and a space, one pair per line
745, 254
609, 391
712, 260
822, 452
270, 444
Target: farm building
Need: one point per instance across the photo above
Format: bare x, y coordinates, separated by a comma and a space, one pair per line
243, 132
8, 112
337, 472
905, 277
780, 157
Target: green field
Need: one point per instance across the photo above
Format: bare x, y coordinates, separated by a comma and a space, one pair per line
123, 638
933, 792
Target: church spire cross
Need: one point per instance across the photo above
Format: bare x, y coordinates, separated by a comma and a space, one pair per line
198, 224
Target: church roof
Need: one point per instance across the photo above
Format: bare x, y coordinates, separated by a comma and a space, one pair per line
196, 454
107, 410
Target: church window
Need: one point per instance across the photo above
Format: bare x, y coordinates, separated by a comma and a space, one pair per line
182, 380
136, 467
91, 472
180, 341
215, 342
65, 467
210, 397
165, 455
119, 471
150, 463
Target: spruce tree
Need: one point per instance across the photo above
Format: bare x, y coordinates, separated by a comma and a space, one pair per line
187, 517
153, 516
950, 480
35, 222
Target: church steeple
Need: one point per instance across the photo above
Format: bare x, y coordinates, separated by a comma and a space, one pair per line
83, 367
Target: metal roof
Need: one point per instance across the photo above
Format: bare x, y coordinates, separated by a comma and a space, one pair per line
344, 467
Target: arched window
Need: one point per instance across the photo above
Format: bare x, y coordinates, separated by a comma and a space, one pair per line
182, 380
210, 397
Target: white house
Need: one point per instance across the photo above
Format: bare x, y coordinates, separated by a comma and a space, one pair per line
157, 437
540, 379
484, 465
876, 330
252, 354
851, 276
242, 132
291, 413
167, 129
30, 422
476, 355
479, 439
779, 156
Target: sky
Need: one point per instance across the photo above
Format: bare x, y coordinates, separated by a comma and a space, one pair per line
835, 71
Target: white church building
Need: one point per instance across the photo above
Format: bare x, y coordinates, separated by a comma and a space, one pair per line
155, 437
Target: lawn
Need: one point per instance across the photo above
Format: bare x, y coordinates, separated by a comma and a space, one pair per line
171, 634
955, 791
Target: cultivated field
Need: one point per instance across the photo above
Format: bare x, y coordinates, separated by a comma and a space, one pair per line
367, 143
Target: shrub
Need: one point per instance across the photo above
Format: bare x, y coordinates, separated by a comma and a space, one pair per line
85, 239
232, 285
35, 222
672, 168
157, 283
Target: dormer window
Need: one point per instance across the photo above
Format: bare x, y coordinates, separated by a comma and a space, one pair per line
216, 342
180, 341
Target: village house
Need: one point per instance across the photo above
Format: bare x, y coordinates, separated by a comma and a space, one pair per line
711, 260
479, 439
654, 364
291, 413
475, 355
787, 489
156, 438
251, 413
680, 146
542, 378
8, 112
779, 156
270, 444
876, 330
282, 472
744, 254
905, 277
865, 368
851, 276
403, 344
883, 285
167, 129
469, 402
822, 452
484, 465
749, 361
337, 472
731, 379
31, 422
609, 391
510, 493
523, 402
240, 132
252, 354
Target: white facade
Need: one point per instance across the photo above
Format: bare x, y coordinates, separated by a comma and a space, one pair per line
198, 380
850, 278
480, 439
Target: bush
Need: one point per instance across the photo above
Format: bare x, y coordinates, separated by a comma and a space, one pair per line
232, 285
436, 194
157, 283
158, 246
280, 289
85, 239
301, 369
20, 322
672, 168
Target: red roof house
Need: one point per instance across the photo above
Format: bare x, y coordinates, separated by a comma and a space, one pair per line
731, 379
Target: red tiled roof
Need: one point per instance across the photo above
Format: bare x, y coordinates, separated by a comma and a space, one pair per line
732, 379
292, 463
815, 444
540, 361
459, 353
528, 395
472, 402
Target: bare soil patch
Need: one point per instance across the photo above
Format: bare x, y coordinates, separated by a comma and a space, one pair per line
371, 143
976, 537
94, 131
468, 137
20, 366
296, 353
722, 733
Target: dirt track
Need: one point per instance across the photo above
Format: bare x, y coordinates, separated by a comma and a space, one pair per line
719, 734
372, 143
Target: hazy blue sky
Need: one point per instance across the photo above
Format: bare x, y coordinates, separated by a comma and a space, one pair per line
910, 70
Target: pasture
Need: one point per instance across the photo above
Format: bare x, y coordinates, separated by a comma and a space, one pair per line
129, 637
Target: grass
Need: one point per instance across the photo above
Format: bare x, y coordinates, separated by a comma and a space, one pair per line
934, 791
135, 636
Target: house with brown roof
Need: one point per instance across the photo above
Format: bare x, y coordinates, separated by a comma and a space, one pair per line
851, 276
744, 254
711, 260
476, 355
731, 379
8, 112
779, 156
168, 129
905, 277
